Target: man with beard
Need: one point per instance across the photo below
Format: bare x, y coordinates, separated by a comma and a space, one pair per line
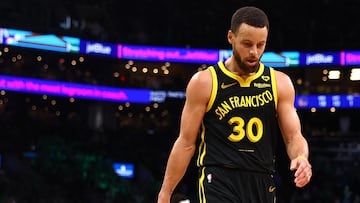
230, 119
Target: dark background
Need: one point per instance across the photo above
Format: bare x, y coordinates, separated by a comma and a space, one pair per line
76, 142
295, 25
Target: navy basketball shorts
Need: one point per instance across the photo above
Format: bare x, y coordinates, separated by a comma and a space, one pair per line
230, 185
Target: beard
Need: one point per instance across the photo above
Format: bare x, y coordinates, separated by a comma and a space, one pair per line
241, 63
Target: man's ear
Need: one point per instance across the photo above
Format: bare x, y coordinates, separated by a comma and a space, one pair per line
230, 37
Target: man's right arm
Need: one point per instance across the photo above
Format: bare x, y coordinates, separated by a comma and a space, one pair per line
184, 147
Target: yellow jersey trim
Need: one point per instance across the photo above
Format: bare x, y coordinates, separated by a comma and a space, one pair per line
273, 84
201, 191
243, 82
213, 89
202, 147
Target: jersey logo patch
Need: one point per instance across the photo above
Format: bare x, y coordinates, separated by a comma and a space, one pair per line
265, 78
224, 86
262, 85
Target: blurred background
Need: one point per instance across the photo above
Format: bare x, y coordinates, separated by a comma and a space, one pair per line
56, 148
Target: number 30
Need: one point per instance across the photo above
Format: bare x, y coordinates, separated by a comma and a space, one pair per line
240, 130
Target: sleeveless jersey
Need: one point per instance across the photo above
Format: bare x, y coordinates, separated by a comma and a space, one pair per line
240, 124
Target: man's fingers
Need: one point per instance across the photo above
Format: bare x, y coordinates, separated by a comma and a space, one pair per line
303, 171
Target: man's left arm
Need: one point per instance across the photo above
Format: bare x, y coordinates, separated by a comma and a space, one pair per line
296, 145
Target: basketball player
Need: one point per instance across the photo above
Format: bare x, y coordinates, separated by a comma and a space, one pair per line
230, 119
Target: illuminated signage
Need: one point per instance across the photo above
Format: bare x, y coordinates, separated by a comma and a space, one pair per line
34, 40
53, 42
272, 59
96, 48
320, 58
351, 57
281, 59
151, 53
66, 89
145, 96
125, 170
327, 101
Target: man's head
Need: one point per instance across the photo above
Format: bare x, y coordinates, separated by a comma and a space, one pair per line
248, 36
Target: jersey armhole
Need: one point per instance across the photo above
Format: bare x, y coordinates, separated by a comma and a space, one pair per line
213, 89
274, 87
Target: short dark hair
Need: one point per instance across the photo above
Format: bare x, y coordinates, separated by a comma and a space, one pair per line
250, 15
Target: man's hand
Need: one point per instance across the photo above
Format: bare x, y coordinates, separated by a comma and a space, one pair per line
303, 171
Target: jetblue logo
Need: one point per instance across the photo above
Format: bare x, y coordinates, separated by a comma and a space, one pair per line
319, 59
98, 48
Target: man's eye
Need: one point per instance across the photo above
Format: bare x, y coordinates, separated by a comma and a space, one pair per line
248, 44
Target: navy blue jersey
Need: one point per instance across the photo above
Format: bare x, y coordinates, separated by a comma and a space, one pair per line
240, 125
